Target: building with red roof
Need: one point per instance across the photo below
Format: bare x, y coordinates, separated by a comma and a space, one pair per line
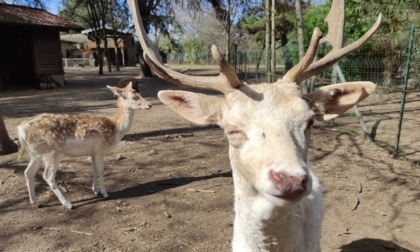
30, 45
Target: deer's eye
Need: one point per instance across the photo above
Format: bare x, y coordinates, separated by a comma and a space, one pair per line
236, 137
233, 132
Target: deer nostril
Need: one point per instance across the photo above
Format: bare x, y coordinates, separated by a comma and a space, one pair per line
289, 186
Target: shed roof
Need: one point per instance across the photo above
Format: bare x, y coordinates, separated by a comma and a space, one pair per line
22, 15
74, 38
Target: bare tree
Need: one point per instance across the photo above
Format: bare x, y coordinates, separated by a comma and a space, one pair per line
118, 18
92, 14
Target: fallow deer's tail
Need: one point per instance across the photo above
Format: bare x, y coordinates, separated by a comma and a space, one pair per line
21, 143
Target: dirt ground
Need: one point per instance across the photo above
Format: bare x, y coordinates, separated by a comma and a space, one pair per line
170, 181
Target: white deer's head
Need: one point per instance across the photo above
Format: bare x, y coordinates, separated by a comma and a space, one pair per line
268, 125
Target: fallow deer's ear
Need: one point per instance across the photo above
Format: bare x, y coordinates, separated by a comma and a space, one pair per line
197, 108
117, 91
331, 101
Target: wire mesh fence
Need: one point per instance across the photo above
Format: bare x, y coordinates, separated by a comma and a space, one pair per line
380, 62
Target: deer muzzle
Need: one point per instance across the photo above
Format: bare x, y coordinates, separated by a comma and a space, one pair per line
290, 187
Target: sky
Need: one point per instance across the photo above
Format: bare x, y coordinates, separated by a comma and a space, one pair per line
53, 6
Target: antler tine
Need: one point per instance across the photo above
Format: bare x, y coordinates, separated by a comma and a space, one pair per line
225, 82
335, 20
335, 36
225, 67
337, 53
292, 74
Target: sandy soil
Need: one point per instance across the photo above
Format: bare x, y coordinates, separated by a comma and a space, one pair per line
170, 182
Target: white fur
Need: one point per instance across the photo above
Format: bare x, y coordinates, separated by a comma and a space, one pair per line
270, 135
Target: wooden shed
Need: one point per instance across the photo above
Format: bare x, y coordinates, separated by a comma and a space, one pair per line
30, 45
126, 47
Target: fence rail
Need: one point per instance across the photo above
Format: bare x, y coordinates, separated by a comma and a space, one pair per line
73, 62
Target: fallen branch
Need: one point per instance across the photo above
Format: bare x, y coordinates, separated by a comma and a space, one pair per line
78, 232
356, 204
360, 186
52, 228
200, 190
4, 180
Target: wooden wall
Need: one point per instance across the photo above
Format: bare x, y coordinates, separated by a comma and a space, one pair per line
16, 62
47, 52
27, 52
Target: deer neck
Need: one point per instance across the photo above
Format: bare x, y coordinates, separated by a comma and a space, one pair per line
124, 117
261, 225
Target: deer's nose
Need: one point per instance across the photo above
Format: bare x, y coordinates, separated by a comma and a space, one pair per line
290, 187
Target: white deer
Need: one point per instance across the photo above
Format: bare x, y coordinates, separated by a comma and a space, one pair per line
49, 137
278, 199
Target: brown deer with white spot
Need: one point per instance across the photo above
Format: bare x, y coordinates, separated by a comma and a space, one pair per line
278, 199
49, 137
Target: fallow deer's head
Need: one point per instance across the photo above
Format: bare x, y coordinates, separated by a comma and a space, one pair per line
267, 125
131, 98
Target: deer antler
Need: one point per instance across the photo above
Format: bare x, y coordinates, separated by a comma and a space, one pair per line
335, 20
225, 82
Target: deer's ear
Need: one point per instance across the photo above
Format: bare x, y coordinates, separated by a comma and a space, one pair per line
117, 91
331, 101
198, 108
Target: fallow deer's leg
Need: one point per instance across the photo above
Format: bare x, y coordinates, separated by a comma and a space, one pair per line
30, 171
51, 167
95, 176
98, 163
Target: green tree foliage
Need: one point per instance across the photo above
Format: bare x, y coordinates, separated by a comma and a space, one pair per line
167, 45
393, 41
193, 48
355, 27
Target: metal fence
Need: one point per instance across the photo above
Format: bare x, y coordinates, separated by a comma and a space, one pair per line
74, 62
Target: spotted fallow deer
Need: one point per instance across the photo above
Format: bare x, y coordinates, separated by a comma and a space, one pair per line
278, 199
49, 137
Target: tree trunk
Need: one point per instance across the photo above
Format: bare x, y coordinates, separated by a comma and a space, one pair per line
117, 55
298, 11
267, 39
106, 54
100, 59
388, 66
273, 41
7, 146
145, 70
301, 40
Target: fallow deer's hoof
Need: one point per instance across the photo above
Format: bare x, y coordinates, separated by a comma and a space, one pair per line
36, 205
69, 206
